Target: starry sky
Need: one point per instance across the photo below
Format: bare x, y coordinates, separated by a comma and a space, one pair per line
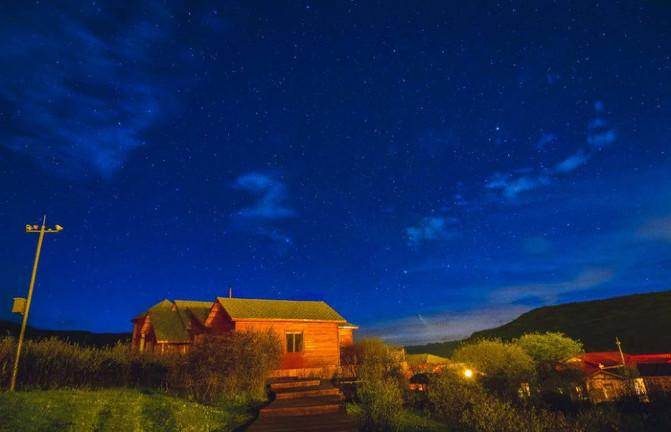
427, 168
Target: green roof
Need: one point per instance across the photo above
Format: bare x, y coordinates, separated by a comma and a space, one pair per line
425, 359
170, 320
238, 308
193, 309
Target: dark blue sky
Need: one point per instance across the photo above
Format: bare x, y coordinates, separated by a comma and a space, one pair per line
426, 168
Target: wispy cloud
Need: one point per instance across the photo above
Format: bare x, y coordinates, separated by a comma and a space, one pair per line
549, 292
419, 329
545, 140
430, 228
656, 229
511, 184
270, 206
572, 162
79, 99
271, 197
501, 306
599, 132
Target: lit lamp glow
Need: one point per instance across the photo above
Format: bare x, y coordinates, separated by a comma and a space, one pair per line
468, 373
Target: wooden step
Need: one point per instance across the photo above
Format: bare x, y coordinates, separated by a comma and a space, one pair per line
332, 422
296, 393
294, 384
302, 406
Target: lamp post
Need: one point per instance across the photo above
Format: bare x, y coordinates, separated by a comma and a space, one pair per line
42, 231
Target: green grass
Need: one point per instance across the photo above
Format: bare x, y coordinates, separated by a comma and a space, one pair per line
641, 321
113, 410
410, 420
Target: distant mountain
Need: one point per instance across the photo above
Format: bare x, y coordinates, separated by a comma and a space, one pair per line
10, 328
641, 321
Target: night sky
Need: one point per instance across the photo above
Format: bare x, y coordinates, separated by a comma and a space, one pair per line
427, 168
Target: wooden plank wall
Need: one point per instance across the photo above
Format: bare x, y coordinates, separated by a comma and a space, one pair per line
346, 337
321, 347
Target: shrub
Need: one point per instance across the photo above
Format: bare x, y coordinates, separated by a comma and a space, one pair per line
381, 383
382, 401
53, 363
466, 405
547, 350
501, 367
489, 414
374, 357
450, 395
236, 364
233, 365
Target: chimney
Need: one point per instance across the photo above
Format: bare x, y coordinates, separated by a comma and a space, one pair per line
230, 292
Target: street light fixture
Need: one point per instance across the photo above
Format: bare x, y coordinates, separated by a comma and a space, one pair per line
23, 305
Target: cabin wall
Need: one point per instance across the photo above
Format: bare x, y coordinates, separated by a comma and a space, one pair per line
218, 322
143, 338
321, 346
135, 339
658, 384
603, 387
169, 348
345, 337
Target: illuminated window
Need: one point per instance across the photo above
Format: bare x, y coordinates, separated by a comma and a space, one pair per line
294, 341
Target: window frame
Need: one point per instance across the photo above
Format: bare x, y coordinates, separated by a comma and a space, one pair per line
291, 337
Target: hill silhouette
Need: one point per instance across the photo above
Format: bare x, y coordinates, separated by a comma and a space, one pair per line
641, 321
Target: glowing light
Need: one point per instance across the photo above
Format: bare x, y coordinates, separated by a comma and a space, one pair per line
468, 373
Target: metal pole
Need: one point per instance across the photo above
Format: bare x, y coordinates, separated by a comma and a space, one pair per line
15, 371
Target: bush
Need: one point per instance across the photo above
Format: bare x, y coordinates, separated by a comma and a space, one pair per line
450, 395
233, 365
547, 350
381, 383
53, 363
382, 401
501, 367
374, 357
466, 405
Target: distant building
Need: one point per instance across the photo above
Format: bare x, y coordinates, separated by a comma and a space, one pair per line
607, 379
312, 333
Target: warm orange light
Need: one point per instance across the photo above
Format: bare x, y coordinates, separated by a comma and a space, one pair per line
468, 373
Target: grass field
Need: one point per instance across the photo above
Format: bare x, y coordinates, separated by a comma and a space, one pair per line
113, 410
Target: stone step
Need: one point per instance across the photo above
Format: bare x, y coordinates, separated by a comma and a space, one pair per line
288, 384
296, 393
303, 406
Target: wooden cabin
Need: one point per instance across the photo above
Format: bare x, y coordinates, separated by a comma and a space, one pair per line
606, 379
169, 326
312, 332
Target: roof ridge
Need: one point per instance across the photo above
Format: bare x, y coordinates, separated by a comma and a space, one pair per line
194, 301
274, 300
279, 309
